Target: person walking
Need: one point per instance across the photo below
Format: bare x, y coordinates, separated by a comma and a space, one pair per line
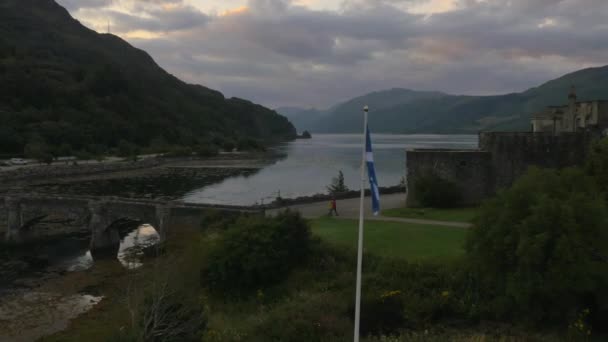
333, 207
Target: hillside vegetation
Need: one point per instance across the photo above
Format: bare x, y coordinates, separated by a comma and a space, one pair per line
70, 88
408, 111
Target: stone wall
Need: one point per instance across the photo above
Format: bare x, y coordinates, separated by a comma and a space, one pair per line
500, 160
470, 170
513, 153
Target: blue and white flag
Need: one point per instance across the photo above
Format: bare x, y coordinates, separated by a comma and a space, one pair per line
371, 171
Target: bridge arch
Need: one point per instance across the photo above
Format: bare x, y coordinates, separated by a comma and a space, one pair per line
108, 219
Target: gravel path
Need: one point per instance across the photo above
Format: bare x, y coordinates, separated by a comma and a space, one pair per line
349, 209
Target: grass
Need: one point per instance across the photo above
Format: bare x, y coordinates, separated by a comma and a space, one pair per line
413, 242
452, 215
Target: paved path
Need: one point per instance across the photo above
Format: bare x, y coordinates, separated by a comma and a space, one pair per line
349, 209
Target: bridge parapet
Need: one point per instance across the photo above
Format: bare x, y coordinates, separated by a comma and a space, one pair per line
20, 212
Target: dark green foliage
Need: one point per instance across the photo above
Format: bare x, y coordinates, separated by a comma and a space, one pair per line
306, 318
436, 192
228, 145
217, 219
207, 151
306, 135
338, 185
127, 149
597, 164
248, 144
541, 249
382, 314
69, 85
39, 151
257, 252
179, 151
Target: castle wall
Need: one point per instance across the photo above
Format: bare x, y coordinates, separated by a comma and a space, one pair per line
470, 170
513, 153
603, 114
500, 160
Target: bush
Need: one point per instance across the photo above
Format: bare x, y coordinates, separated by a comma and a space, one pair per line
207, 151
597, 164
306, 317
127, 149
382, 313
247, 144
539, 249
164, 304
436, 192
216, 219
179, 151
228, 146
257, 251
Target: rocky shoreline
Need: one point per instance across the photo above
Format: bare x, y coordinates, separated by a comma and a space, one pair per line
69, 170
286, 202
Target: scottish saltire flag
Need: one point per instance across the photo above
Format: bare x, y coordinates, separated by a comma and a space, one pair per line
371, 172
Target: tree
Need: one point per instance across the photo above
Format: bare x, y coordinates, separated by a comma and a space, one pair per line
436, 192
127, 149
258, 251
540, 248
337, 185
39, 151
597, 164
228, 146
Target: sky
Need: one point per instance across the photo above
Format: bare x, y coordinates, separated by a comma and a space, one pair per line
316, 53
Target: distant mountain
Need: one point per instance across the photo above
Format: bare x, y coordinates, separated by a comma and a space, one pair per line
303, 119
407, 111
63, 85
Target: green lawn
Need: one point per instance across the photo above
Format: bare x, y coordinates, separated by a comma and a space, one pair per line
454, 215
395, 239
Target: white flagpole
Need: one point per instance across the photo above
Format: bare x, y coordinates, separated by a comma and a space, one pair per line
361, 220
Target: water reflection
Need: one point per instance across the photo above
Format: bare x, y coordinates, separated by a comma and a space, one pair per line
132, 246
130, 252
311, 164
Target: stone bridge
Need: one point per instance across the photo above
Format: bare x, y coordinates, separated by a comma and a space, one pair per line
20, 213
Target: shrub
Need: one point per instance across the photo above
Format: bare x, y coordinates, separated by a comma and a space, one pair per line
179, 151
256, 252
248, 144
228, 145
382, 313
436, 192
127, 149
207, 151
540, 248
597, 164
306, 317
216, 219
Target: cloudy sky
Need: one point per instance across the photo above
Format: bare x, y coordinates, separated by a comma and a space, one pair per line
320, 52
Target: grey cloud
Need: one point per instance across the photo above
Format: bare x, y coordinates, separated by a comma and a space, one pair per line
278, 53
73, 5
153, 19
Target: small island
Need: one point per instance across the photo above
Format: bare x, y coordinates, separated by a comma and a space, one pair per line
305, 135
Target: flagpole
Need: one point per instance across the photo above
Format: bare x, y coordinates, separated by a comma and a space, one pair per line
361, 220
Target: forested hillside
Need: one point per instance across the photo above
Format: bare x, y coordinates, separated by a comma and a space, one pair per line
407, 111
67, 88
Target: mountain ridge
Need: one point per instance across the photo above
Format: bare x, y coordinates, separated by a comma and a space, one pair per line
64, 85
438, 112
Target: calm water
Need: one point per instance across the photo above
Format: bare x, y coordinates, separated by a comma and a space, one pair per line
311, 164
